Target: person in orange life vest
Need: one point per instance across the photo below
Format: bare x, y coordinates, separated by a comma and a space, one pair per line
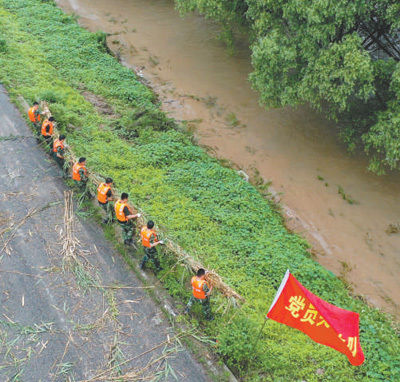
47, 130
201, 293
34, 116
125, 218
149, 242
80, 175
58, 152
104, 197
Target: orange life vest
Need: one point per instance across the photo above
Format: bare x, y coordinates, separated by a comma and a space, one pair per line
102, 192
51, 126
197, 286
75, 171
57, 143
146, 234
119, 210
33, 116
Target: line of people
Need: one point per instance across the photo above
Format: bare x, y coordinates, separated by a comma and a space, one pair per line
45, 131
121, 211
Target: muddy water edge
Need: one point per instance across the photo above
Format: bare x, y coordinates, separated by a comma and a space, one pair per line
349, 215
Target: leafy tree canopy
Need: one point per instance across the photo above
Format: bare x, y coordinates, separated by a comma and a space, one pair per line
340, 56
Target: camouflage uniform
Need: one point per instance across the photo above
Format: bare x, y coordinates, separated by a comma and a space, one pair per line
37, 125
152, 255
82, 184
107, 206
109, 210
59, 158
49, 141
127, 230
205, 303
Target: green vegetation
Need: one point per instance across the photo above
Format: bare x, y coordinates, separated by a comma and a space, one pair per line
205, 207
340, 56
18, 344
345, 196
3, 46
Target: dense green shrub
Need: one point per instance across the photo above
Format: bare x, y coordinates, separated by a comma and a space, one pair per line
237, 343
206, 208
101, 38
3, 46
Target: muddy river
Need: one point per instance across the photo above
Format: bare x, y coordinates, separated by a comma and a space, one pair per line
297, 150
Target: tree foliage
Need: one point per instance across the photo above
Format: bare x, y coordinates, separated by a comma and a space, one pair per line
226, 12
340, 56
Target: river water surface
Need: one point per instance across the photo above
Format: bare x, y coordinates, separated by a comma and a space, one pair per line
297, 150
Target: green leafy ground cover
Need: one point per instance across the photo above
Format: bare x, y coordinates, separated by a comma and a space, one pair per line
206, 208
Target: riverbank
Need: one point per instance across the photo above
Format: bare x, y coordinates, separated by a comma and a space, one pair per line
296, 150
218, 217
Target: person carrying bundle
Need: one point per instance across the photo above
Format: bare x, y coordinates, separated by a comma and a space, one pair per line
58, 153
104, 197
200, 293
80, 176
149, 242
47, 130
125, 216
34, 116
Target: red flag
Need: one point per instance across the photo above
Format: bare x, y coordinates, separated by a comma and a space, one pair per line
325, 323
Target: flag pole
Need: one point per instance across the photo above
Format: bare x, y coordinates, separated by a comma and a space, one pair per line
259, 333
278, 293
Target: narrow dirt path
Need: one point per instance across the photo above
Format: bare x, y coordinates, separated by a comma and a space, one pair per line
59, 319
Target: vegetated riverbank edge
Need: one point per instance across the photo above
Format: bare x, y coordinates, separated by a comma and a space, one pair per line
294, 148
207, 208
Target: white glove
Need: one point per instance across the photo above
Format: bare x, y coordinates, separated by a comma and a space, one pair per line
161, 242
139, 215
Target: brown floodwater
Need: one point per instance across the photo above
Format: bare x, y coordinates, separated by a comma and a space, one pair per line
296, 149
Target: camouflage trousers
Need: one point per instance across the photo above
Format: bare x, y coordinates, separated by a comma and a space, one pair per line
82, 187
37, 127
109, 210
49, 141
150, 254
61, 164
205, 304
127, 230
